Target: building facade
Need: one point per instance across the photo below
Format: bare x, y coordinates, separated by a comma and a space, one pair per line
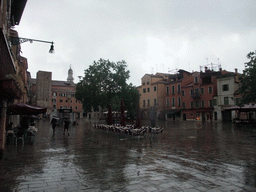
56, 95
188, 96
227, 86
12, 76
152, 91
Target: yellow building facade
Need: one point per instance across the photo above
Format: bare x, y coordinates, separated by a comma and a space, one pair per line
152, 94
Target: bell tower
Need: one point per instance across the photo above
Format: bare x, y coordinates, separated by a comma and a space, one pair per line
70, 75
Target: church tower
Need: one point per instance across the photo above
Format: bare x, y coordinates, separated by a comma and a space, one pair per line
70, 75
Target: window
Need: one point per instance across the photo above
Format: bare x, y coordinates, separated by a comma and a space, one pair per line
54, 106
191, 92
54, 94
225, 87
202, 103
143, 83
173, 89
167, 90
66, 101
178, 88
238, 101
173, 101
144, 103
70, 107
179, 101
196, 92
210, 103
226, 101
154, 101
167, 102
62, 94
214, 102
70, 101
191, 104
202, 90
60, 107
148, 81
183, 93
148, 102
54, 100
76, 107
209, 89
144, 90
183, 105
197, 103
148, 90
154, 88
196, 79
61, 101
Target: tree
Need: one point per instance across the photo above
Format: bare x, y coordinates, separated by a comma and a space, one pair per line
247, 80
103, 84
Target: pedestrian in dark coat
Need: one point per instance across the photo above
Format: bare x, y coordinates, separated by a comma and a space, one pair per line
53, 123
66, 126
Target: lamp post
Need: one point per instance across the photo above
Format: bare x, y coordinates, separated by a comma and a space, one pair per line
19, 40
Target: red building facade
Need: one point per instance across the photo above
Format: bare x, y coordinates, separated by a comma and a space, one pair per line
191, 97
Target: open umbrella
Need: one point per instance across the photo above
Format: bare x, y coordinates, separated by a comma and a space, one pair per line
24, 109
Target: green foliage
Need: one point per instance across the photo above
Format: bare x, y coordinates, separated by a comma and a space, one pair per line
104, 83
248, 81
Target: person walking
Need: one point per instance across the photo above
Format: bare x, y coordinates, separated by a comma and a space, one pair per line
54, 123
66, 126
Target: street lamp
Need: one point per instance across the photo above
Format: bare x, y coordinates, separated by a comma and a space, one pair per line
19, 40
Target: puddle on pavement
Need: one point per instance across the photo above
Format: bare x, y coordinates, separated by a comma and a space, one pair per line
184, 152
59, 150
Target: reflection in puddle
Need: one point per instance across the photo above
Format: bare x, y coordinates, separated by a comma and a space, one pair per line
59, 150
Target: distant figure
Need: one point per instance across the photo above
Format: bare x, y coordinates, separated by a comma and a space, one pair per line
66, 125
24, 126
53, 123
24, 123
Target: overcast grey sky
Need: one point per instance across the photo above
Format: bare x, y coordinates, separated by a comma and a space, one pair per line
150, 35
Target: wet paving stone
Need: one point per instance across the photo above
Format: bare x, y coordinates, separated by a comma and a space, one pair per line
187, 156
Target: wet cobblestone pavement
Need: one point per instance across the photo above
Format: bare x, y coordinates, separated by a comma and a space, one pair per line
188, 156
